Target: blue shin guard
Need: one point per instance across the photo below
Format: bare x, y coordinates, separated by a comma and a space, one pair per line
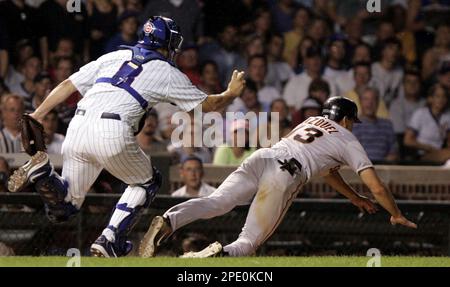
53, 191
122, 228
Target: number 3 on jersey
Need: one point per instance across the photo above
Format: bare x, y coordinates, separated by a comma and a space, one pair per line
308, 137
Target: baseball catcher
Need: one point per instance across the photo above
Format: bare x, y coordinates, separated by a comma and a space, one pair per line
118, 89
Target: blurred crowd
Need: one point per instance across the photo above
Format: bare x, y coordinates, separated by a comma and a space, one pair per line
296, 53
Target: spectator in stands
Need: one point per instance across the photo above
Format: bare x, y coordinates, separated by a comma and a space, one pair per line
148, 139
346, 82
191, 172
224, 52
253, 45
189, 145
42, 87
19, 21
209, 78
336, 66
296, 90
187, 62
64, 49
353, 33
438, 53
282, 13
12, 108
31, 69
298, 64
361, 53
252, 104
251, 100
387, 73
385, 30
165, 112
293, 37
22, 51
326, 10
69, 25
233, 154
429, 128
63, 69
404, 106
311, 107
362, 79
127, 35
319, 31
53, 140
257, 72
132, 5
102, 16
279, 106
319, 89
444, 75
186, 13
278, 71
263, 23
397, 15
376, 135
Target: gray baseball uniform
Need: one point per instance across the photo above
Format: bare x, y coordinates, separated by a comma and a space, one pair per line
318, 144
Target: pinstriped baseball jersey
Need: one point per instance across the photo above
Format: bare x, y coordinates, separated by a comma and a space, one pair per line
94, 143
158, 82
322, 145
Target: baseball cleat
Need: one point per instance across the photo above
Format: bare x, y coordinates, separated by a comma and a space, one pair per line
213, 250
102, 247
35, 167
159, 230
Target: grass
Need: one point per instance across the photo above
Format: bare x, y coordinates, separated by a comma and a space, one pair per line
326, 261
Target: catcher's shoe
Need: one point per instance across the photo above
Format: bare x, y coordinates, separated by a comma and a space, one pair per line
38, 166
102, 247
213, 250
159, 230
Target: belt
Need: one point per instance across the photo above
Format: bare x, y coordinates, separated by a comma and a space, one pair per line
110, 116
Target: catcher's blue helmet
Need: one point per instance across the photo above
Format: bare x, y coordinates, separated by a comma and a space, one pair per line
160, 32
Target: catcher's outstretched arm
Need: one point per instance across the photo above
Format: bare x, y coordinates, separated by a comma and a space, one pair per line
58, 95
234, 90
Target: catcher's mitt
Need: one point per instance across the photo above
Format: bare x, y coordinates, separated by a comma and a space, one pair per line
32, 135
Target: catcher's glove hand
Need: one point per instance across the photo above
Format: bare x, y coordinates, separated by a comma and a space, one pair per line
32, 133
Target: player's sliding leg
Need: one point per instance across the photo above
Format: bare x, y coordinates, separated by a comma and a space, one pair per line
52, 188
237, 189
276, 191
133, 167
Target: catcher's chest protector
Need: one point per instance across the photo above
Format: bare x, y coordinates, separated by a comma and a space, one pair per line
131, 69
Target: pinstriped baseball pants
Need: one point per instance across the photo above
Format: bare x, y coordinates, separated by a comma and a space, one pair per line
93, 144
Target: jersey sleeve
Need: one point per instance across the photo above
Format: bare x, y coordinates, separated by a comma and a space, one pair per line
356, 157
182, 92
84, 79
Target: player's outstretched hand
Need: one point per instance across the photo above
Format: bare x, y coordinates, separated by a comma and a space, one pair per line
365, 205
403, 221
237, 83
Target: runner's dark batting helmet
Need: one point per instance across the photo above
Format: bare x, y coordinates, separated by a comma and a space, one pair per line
336, 108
